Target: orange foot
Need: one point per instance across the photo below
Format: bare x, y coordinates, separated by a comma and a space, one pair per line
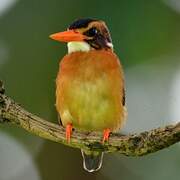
106, 135
68, 132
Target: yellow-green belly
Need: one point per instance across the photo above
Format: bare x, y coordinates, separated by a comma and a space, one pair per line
89, 94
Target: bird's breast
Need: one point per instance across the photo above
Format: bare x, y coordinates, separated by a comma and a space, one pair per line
89, 86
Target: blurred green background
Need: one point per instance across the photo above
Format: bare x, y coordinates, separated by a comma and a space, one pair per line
146, 37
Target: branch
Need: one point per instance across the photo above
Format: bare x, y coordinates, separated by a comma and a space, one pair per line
129, 145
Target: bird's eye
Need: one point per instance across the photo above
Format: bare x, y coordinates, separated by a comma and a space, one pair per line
92, 32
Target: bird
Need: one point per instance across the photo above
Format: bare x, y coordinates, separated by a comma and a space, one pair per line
90, 87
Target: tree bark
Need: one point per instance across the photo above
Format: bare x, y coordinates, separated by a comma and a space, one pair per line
129, 145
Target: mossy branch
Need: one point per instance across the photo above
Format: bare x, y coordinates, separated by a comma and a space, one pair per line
129, 145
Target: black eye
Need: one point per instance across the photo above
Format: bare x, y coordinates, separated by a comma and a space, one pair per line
92, 32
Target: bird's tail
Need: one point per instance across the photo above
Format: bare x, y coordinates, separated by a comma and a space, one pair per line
92, 160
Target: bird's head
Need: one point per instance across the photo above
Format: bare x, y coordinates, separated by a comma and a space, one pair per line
84, 35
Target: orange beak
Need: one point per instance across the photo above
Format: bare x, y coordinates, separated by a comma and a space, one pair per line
67, 36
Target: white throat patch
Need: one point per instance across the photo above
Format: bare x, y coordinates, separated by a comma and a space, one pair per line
78, 46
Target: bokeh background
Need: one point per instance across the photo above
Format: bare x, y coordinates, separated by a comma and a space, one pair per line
146, 36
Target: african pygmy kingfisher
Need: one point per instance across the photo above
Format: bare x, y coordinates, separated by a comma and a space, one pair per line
90, 91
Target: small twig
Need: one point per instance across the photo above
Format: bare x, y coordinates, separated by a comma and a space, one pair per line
130, 145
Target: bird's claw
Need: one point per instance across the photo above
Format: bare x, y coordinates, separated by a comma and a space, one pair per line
106, 134
68, 132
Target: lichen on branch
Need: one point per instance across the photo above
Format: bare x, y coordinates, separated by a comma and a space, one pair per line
129, 145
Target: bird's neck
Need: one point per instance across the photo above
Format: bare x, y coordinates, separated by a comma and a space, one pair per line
78, 46
75, 46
